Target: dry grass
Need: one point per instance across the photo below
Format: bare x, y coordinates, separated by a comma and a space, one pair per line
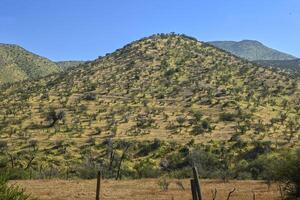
146, 189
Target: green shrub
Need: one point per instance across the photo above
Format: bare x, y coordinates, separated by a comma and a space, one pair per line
287, 171
206, 163
163, 184
181, 173
15, 173
227, 117
87, 172
11, 192
146, 169
198, 129
197, 115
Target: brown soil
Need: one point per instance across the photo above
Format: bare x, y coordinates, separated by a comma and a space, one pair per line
145, 189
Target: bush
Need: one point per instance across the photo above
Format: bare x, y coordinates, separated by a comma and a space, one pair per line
11, 192
15, 173
202, 127
287, 171
227, 117
206, 163
163, 184
87, 172
146, 169
3, 144
181, 173
147, 147
197, 130
198, 116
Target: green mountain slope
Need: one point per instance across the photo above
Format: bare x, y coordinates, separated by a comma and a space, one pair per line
18, 64
65, 65
154, 103
251, 50
288, 65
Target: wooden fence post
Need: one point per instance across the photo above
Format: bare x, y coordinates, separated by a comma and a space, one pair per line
197, 183
193, 189
98, 186
253, 195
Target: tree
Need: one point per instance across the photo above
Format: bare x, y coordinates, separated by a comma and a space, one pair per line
227, 117
54, 116
121, 160
206, 163
198, 116
287, 168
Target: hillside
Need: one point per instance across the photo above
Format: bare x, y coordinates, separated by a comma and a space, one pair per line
251, 50
65, 65
288, 65
154, 106
18, 64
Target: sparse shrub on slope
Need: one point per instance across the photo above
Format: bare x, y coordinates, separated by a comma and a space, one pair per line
227, 116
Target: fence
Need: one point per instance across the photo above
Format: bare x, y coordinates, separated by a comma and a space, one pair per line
195, 188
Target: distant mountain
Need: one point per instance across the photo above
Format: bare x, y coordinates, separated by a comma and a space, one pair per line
289, 65
18, 64
251, 50
64, 65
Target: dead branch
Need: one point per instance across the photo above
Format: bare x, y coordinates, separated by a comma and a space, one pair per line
29, 163
180, 185
230, 193
213, 194
121, 160
281, 192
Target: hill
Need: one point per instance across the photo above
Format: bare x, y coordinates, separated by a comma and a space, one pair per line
288, 65
251, 50
152, 107
65, 65
17, 64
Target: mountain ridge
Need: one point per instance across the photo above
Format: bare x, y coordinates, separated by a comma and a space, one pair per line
17, 64
252, 50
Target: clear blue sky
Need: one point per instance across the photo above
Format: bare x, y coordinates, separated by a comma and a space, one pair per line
85, 29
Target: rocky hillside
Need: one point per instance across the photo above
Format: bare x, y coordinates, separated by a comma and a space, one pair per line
145, 108
252, 50
17, 64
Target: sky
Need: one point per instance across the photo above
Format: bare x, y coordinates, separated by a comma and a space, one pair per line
86, 29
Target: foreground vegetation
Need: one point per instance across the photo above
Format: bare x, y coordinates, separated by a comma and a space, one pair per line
286, 168
11, 192
269, 166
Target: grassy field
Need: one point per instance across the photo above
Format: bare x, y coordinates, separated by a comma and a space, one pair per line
145, 189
